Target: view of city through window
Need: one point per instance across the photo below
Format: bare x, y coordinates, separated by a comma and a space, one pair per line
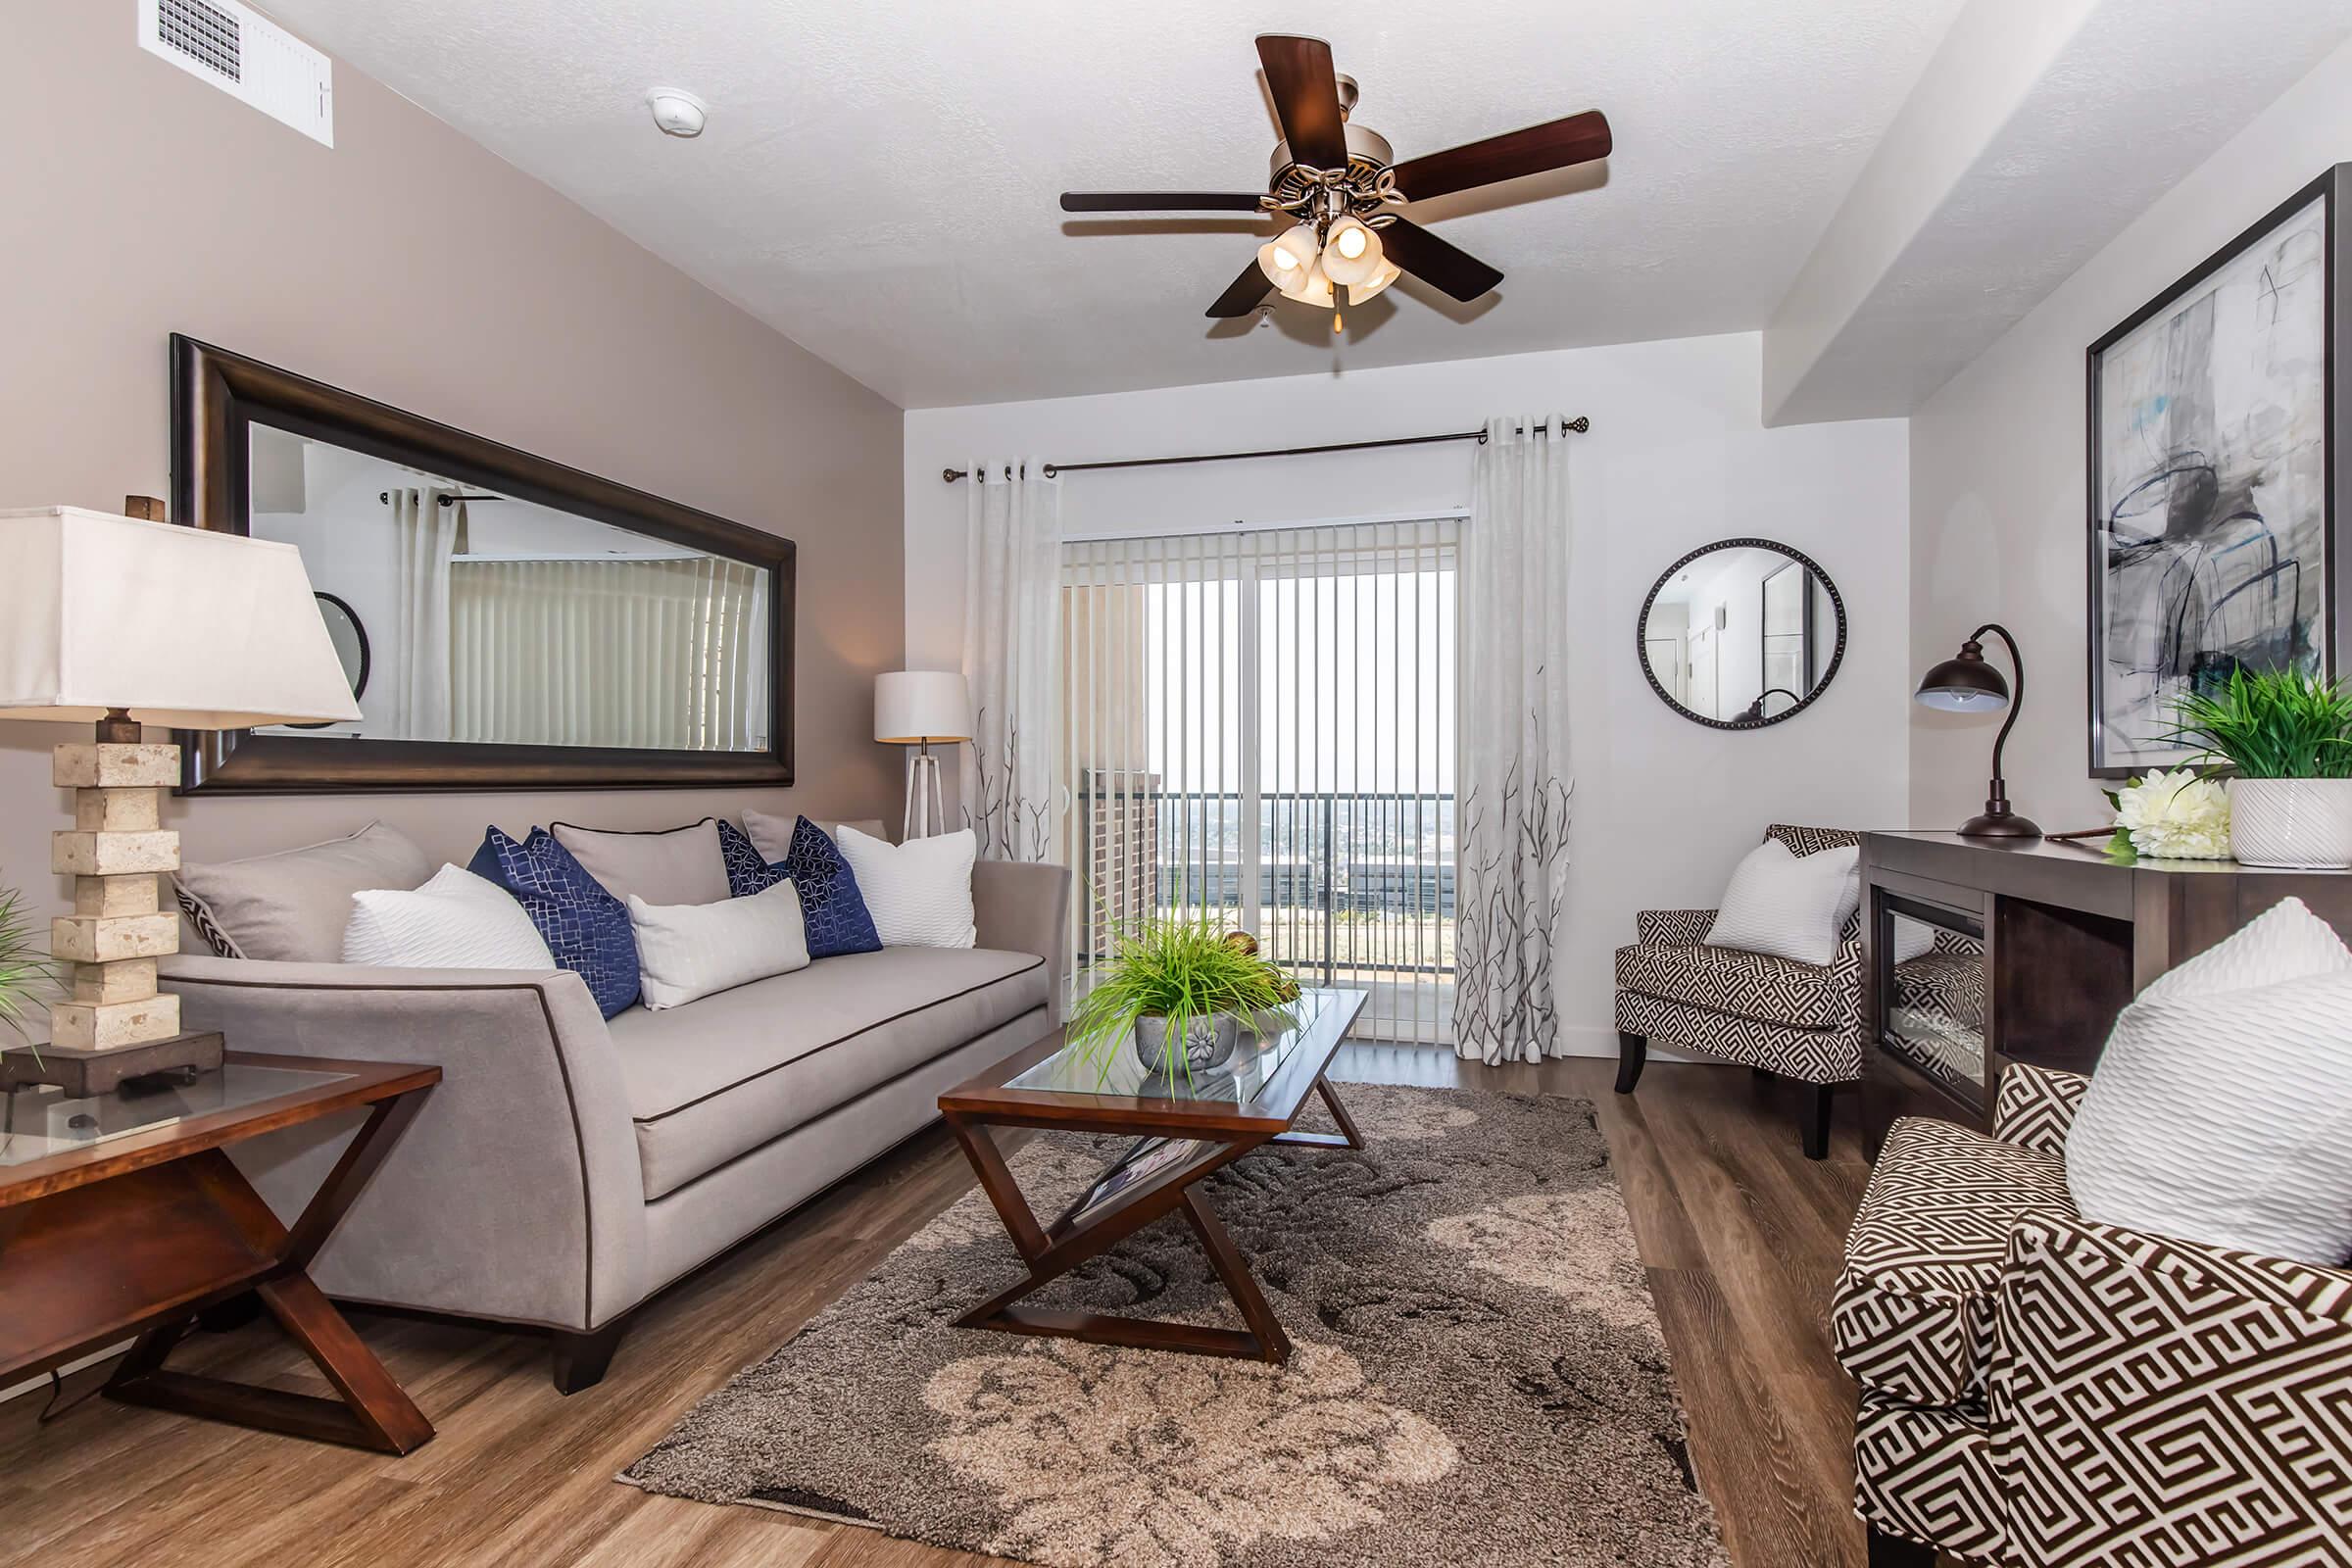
1260, 729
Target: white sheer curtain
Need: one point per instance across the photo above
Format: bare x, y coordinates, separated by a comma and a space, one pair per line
425, 534
1516, 782
1012, 658
668, 654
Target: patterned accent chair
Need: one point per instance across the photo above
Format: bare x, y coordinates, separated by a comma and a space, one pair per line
2042, 1392
1794, 1021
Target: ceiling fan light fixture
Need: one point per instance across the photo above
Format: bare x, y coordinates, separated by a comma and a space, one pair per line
1310, 287
1380, 278
1352, 254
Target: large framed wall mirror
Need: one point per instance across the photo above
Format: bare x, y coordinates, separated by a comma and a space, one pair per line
1741, 633
506, 622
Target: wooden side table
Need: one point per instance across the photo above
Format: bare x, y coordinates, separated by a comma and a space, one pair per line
123, 1216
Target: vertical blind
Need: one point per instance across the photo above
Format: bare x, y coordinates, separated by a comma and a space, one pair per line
1259, 730
637, 652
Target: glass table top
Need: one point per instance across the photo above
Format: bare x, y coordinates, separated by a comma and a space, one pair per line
39, 1121
1116, 1069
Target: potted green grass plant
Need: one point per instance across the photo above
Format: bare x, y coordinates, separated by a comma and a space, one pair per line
2288, 737
1182, 992
27, 971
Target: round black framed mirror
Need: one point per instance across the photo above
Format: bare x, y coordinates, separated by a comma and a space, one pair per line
350, 638
1741, 633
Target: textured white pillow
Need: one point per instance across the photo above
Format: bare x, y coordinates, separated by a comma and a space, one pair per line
2222, 1109
1789, 905
919, 892
686, 950
455, 922
1913, 938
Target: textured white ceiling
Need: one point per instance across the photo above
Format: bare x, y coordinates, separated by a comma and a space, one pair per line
878, 179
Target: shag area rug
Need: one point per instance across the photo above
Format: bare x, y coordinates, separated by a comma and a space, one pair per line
1479, 1377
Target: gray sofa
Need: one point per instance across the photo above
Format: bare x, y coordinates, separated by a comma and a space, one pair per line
566, 1169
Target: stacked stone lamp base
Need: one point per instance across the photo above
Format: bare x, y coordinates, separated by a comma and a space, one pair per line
114, 1024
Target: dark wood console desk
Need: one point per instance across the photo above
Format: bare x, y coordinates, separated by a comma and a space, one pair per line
2038, 945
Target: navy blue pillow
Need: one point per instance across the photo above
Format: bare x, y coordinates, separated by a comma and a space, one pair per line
586, 928
834, 909
748, 870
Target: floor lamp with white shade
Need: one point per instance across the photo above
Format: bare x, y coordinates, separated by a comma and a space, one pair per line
920, 707
115, 623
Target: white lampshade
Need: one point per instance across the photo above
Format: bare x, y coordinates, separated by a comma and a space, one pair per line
182, 626
1311, 288
1352, 255
915, 706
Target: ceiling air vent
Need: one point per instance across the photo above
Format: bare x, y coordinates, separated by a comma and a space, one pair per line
247, 56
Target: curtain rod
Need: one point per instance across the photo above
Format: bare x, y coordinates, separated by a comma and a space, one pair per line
446, 500
1580, 424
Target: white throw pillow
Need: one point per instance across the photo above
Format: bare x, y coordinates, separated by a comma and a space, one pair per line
686, 950
919, 892
1789, 905
455, 922
2222, 1109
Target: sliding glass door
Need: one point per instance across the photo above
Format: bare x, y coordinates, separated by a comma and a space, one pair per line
1259, 731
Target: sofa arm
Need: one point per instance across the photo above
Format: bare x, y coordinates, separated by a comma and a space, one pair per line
2186, 1399
2036, 1106
514, 1194
1024, 906
1672, 928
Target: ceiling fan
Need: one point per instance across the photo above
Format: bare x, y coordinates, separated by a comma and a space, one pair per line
1340, 181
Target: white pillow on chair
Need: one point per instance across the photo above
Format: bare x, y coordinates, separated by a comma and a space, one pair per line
919, 892
1789, 905
2221, 1111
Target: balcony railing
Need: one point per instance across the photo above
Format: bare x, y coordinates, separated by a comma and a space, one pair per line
1338, 884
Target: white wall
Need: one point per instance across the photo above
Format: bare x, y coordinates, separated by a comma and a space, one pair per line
1997, 469
1678, 456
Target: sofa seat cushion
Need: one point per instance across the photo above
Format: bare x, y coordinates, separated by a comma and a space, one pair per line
720, 1076
1746, 985
1912, 1313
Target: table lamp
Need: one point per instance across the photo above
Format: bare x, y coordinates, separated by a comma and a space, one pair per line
118, 623
1967, 684
916, 707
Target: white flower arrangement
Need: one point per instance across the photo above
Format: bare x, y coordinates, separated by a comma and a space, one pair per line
2174, 815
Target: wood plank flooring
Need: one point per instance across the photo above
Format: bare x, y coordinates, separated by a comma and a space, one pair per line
1740, 1232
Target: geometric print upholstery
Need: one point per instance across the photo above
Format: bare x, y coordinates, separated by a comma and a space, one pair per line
2164, 1403
1913, 1311
1799, 1021
1806, 1055
1747, 985
1949, 984
2036, 1106
2139, 1401
1923, 1472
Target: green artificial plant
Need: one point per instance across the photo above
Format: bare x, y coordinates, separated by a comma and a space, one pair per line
1182, 970
25, 967
2270, 723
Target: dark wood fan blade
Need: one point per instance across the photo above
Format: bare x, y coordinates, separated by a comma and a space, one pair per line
1247, 293
1434, 260
1578, 139
1182, 201
1307, 97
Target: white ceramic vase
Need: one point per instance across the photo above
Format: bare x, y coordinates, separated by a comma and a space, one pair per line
2302, 822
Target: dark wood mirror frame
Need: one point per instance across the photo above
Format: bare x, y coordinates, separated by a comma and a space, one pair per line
217, 397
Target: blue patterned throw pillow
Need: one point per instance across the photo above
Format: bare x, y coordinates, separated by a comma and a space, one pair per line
586, 928
748, 871
830, 903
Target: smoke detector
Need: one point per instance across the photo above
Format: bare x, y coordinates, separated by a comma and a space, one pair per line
677, 113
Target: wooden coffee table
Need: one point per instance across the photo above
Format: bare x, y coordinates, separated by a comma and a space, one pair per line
1183, 1131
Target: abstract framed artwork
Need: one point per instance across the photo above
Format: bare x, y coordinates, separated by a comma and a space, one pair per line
2214, 459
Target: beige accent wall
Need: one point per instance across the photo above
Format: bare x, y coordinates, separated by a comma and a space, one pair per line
407, 264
